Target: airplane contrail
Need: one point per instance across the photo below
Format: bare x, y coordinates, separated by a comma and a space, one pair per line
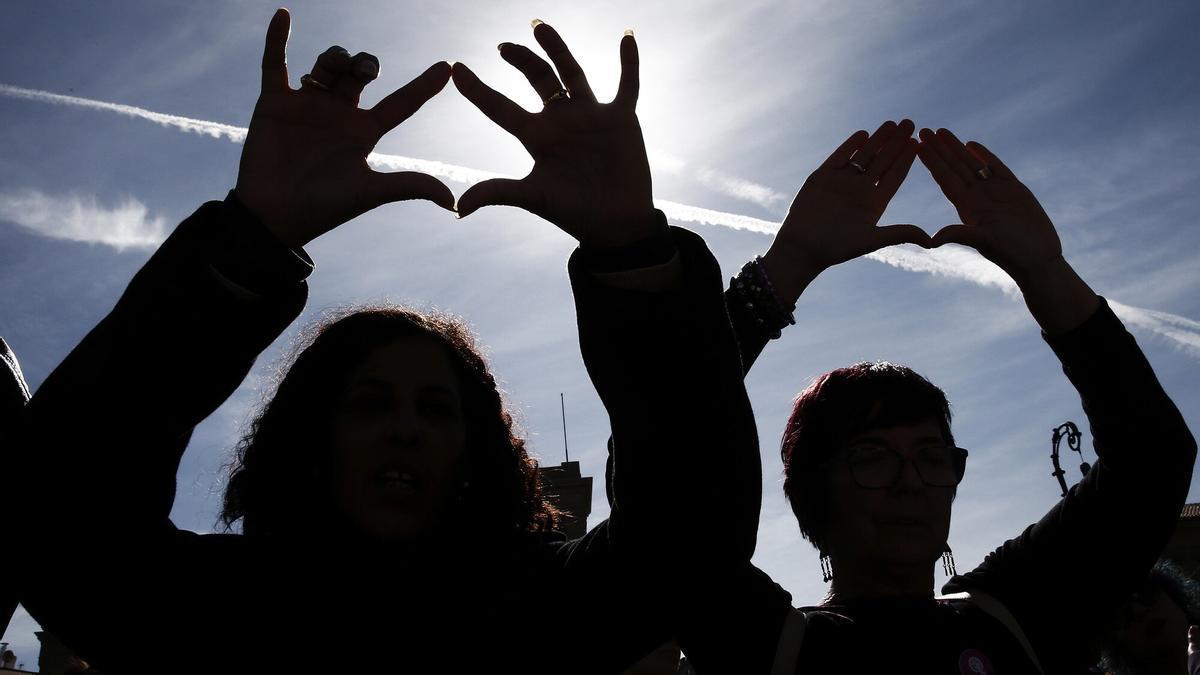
953, 262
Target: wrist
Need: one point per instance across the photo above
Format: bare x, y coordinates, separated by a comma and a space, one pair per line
1057, 297
1048, 274
790, 272
626, 231
271, 222
655, 249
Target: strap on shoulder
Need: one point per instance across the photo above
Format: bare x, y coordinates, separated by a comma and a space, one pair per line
996, 609
791, 639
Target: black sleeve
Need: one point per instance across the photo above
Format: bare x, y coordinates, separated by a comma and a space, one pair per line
737, 623
752, 338
1065, 575
686, 476
666, 367
101, 439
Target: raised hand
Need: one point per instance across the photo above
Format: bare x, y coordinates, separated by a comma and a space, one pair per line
1006, 224
304, 168
834, 217
1000, 216
590, 175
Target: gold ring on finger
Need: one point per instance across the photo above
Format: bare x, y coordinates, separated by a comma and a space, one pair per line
307, 78
557, 96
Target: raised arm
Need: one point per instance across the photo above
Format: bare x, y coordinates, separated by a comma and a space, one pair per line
834, 218
656, 341
648, 289
102, 438
1112, 526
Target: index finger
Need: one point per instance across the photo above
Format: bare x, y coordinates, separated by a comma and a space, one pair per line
842, 155
627, 90
274, 60
402, 103
498, 107
999, 168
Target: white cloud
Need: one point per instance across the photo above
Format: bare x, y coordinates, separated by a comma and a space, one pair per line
739, 188
75, 218
214, 129
950, 261
451, 172
696, 214
717, 180
1184, 332
127, 225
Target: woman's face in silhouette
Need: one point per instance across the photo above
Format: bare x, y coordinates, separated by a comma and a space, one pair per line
903, 525
1151, 627
399, 441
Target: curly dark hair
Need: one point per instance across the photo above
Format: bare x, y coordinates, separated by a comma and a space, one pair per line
279, 479
834, 408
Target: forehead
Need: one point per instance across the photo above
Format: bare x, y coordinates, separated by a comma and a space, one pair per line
902, 435
412, 361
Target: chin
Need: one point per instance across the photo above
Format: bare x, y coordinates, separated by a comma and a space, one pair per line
906, 551
391, 528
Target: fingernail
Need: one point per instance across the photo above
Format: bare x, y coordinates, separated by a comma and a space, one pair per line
629, 32
367, 68
536, 22
500, 47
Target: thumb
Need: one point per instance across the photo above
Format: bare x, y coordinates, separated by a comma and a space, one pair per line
959, 233
495, 191
383, 188
904, 233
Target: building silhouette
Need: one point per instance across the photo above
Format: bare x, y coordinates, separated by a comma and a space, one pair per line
570, 493
1184, 547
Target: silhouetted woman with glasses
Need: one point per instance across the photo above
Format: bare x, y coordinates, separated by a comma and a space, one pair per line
871, 467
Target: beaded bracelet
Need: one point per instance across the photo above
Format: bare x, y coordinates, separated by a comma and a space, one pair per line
757, 295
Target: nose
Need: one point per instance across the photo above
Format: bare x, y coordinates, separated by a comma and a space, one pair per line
909, 479
404, 425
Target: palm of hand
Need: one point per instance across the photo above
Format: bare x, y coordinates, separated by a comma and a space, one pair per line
304, 170
590, 168
1011, 227
834, 218
305, 160
590, 175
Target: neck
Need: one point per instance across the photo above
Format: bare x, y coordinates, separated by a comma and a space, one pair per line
856, 581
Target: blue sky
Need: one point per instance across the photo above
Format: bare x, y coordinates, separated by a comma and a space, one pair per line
1092, 104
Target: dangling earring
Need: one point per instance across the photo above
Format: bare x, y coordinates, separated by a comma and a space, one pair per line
826, 568
948, 562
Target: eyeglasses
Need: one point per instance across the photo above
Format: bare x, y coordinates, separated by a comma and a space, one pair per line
876, 466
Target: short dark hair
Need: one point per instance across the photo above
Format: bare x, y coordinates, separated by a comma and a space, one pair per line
838, 406
1183, 590
278, 480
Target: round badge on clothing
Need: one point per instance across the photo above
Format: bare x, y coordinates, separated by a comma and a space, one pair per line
975, 662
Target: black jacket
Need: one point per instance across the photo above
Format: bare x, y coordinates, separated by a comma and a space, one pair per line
128, 591
1062, 579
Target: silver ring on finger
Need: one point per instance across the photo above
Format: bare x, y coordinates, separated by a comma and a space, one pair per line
858, 167
983, 173
308, 79
560, 95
